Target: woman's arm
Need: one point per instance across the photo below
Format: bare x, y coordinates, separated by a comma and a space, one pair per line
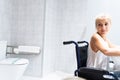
99, 43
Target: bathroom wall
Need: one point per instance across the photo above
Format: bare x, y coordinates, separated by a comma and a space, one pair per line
4, 21
64, 20
27, 29
21, 23
25, 24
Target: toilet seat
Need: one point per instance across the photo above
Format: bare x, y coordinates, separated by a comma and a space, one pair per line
17, 61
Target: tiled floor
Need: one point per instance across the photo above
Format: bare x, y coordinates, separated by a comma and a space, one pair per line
58, 75
54, 76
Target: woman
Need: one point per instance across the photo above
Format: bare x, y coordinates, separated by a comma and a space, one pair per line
100, 47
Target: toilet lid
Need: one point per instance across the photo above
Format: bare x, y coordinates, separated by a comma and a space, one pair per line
18, 61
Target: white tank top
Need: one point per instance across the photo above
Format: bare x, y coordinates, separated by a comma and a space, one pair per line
97, 60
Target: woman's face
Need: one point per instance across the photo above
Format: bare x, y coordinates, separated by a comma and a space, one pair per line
103, 26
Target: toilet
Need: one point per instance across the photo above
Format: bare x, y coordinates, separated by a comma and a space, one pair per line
11, 68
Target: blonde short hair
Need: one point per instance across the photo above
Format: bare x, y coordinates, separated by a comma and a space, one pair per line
102, 17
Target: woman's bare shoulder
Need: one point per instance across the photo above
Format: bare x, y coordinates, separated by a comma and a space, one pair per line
93, 41
95, 36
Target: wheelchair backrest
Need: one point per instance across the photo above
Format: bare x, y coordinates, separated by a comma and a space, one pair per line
81, 54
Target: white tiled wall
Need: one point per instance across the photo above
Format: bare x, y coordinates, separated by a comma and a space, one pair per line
21, 23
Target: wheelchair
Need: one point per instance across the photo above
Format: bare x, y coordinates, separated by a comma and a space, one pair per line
81, 48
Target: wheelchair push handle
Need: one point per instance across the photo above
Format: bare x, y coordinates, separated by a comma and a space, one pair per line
75, 43
69, 42
79, 42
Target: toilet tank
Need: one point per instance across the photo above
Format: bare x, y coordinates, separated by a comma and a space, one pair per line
3, 46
